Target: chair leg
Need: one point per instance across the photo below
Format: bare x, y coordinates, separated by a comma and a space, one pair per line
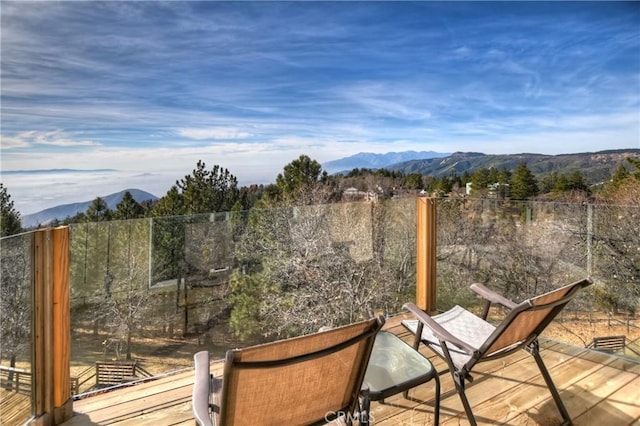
550, 385
436, 416
459, 382
363, 418
458, 379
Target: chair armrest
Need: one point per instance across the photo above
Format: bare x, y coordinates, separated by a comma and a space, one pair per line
201, 389
440, 332
492, 296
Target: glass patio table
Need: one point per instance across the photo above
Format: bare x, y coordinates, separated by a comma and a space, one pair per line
394, 367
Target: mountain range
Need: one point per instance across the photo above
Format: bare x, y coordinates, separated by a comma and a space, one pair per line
63, 211
368, 160
595, 167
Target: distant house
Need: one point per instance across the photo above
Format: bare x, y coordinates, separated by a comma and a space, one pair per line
494, 190
351, 192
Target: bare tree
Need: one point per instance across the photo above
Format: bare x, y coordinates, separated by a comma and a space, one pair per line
126, 305
500, 244
15, 298
308, 267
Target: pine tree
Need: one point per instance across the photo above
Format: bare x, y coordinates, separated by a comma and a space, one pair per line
10, 218
303, 183
480, 180
635, 162
577, 182
561, 184
620, 175
523, 183
300, 174
413, 181
98, 211
128, 208
172, 204
207, 191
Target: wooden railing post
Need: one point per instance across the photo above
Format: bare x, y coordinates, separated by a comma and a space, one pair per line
426, 238
62, 402
51, 326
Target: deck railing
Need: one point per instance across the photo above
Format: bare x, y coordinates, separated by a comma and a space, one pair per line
16, 380
158, 289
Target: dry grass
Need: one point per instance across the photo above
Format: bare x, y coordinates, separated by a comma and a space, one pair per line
580, 329
156, 355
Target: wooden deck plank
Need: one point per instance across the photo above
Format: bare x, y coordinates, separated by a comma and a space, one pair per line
141, 405
621, 408
15, 408
142, 390
151, 397
530, 399
603, 407
597, 389
175, 415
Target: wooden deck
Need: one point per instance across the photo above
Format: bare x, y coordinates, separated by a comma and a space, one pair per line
598, 389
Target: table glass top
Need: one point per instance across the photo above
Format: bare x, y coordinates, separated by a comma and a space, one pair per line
393, 362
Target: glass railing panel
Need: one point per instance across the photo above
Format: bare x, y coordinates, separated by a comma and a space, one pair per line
157, 290
398, 277
16, 368
613, 259
522, 249
309, 267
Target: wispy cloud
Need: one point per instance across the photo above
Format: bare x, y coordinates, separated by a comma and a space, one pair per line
53, 138
213, 133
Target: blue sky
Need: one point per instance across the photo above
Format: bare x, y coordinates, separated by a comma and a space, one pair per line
146, 89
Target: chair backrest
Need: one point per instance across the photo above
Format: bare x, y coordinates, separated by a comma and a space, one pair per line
301, 380
528, 319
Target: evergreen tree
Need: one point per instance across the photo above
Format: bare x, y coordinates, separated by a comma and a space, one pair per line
128, 208
172, 204
620, 175
10, 218
413, 181
504, 177
302, 183
480, 180
98, 211
443, 185
207, 191
299, 175
577, 182
494, 176
548, 182
465, 178
635, 162
248, 197
624, 187
523, 183
562, 184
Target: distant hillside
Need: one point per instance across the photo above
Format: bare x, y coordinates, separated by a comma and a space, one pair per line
596, 167
61, 212
368, 160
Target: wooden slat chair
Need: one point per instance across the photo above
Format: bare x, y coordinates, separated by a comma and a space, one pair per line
109, 373
610, 344
304, 380
462, 339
